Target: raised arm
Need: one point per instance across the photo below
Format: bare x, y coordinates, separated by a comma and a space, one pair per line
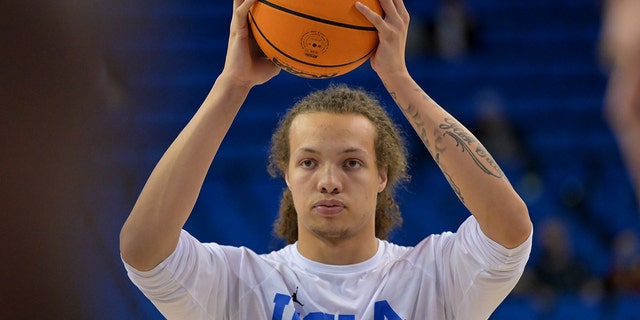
473, 174
151, 232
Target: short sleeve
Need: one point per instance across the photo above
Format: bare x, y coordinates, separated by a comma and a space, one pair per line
173, 286
481, 272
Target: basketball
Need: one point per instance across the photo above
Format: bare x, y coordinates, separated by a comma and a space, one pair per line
314, 38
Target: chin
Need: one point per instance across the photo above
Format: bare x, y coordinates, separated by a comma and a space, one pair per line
334, 234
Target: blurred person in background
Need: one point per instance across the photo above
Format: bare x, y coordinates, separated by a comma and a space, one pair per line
558, 270
620, 45
452, 33
624, 275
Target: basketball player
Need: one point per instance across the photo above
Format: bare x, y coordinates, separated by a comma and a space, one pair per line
341, 157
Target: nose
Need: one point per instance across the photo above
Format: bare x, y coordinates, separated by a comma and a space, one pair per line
329, 181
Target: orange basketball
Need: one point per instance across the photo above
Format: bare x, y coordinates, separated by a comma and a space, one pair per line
314, 38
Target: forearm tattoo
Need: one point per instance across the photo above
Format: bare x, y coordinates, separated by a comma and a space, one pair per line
466, 140
413, 116
453, 129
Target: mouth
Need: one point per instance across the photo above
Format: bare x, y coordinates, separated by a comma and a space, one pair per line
329, 207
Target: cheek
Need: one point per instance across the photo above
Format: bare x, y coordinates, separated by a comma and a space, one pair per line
299, 200
293, 180
372, 201
297, 184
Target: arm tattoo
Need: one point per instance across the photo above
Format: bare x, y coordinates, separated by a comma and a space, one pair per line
447, 176
456, 131
465, 140
412, 114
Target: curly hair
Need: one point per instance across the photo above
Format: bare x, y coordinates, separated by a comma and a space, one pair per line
390, 150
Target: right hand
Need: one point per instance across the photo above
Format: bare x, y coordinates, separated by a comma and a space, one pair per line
245, 65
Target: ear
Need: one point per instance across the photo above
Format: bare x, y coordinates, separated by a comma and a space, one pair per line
382, 179
286, 179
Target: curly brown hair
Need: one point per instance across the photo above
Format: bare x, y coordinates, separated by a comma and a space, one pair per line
390, 149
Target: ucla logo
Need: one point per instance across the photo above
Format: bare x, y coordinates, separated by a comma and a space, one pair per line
382, 311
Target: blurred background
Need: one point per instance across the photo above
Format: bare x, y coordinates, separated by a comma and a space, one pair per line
93, 92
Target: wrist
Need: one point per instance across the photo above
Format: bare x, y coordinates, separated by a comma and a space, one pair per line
231, 84
393, 81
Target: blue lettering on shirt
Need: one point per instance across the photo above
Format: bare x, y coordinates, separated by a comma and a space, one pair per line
280, 302
382, 310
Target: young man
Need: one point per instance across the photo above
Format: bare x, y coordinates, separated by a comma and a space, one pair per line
340, 163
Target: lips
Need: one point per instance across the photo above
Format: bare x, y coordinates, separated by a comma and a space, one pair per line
329, 206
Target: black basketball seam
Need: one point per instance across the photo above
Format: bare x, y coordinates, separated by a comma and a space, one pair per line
306, 16
301, 61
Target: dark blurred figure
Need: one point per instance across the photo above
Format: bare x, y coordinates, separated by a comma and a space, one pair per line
497, 132
620, 45
624, 276
558, 272
452, 33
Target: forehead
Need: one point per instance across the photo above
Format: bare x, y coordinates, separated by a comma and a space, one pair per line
321, 127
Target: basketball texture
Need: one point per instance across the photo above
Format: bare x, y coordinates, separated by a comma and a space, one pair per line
314, 38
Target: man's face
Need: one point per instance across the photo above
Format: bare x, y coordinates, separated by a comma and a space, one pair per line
333, 176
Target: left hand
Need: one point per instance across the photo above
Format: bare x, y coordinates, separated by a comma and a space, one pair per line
389, 57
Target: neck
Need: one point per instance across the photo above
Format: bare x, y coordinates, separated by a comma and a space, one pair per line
337, 251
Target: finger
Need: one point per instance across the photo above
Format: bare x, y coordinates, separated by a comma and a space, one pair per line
241, 10
388, 7
373, 17
245, 5
401, 9
392, 9
242, 3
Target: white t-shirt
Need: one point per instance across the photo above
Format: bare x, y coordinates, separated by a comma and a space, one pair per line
462, 275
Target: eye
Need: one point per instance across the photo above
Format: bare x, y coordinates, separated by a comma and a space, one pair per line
307, 163
353, 164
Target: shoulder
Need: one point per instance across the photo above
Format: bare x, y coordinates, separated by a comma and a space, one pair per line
471, 241
191, 252
467, 242
429, 247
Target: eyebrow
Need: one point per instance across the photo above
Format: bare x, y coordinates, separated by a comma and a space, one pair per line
345, 151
